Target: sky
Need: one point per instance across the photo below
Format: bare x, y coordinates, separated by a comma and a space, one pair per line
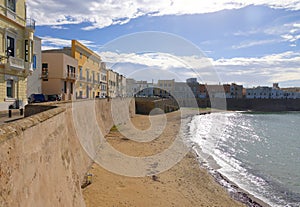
254, 42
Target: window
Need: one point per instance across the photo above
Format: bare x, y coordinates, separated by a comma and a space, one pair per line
34, 62
65, 86
80, 72
10, 46
45, 71
11, 4
26, 51
80, 55
87, 75
71, 88
9, 88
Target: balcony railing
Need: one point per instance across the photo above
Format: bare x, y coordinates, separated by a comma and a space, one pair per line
30, 23
81, 78
71, 75
15, 63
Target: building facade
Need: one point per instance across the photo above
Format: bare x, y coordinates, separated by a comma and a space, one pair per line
88, 84
103, 80
34, 81
16, 52
112, 83
59, 74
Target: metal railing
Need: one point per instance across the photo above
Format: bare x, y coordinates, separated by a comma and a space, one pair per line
30, 23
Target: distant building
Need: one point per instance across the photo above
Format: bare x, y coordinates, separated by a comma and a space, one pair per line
103, 80
112, 79
194, 86
167, 86
272, 93
259, 92
131, 87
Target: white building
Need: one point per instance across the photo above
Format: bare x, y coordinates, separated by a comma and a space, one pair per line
259, 93
271, 93
34, 82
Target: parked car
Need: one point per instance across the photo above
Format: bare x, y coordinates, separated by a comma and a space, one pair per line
53, 97
36, 98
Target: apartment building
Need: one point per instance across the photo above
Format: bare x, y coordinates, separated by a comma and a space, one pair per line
167, 86
112, 81
34, 81
58, 74
88, 84
16, 52
103, 80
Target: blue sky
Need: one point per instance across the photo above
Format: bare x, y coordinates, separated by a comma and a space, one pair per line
250, 43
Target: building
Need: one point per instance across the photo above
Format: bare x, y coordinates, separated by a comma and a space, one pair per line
167, 86
112, 81
34, 81
58, 74
221, 91
131, 87
103, 80
88, 84
194, 86
260, 92
121, 86
236, 91
16, 52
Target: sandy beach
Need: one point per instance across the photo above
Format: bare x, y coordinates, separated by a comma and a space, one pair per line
185, 184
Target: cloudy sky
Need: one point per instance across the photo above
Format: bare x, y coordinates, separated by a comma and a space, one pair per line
254, 42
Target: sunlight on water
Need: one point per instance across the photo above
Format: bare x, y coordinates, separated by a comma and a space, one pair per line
260, 152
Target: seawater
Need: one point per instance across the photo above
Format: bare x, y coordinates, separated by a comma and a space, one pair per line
260, 152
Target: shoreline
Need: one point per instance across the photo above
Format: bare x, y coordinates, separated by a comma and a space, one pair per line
188, 183
236, 192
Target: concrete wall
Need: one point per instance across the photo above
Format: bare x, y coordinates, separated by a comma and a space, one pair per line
42, 162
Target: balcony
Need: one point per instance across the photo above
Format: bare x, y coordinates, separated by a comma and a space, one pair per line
71, 76
30, 23
15, 63
81, 78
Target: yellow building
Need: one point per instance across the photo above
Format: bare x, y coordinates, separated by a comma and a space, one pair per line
88, 84
16, 51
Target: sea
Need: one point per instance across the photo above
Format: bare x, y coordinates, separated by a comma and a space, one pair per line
259, 152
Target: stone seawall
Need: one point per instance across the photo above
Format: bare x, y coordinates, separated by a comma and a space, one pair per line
42, 161
267, 105
155, 105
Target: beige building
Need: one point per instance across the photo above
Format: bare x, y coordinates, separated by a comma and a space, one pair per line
112, 78
16, 52
167, 85
58, 74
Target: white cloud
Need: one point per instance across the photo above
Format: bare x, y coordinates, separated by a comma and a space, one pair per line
58, 27
55, 43
254, 43
102, 13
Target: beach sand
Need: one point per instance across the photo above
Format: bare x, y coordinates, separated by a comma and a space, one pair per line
185, 184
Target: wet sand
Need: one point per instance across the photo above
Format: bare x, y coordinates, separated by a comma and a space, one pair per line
185, 184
